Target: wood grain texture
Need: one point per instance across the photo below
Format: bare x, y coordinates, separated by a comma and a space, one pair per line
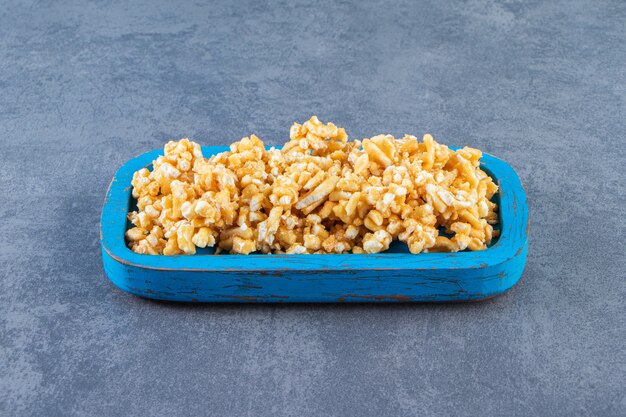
385, 277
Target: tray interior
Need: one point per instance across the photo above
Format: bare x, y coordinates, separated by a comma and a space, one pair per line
395, 247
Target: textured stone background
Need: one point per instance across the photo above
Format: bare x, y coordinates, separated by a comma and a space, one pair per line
88, 85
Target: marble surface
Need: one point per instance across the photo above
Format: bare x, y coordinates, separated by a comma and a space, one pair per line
84, 86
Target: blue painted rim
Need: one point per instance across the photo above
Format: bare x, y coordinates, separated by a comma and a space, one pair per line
513, 237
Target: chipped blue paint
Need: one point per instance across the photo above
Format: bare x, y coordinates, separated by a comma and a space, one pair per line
393, 276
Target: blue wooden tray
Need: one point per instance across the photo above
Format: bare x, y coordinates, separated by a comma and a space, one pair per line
396, 275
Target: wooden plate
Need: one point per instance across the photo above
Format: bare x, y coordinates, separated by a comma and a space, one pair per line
395, 275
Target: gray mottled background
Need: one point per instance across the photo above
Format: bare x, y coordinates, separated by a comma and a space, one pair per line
84, 86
